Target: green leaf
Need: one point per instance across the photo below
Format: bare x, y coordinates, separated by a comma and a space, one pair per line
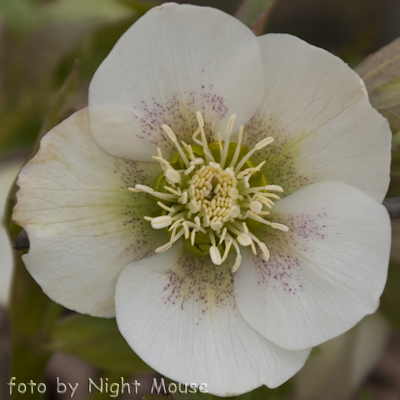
85, 12
255, 14
396, 139
141, 6
52, 117
98, 341
364, 395
381, 74
390, 299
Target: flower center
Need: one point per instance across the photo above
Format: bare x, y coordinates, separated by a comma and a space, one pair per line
212, 201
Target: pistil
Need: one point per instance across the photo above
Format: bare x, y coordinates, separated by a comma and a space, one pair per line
211, 199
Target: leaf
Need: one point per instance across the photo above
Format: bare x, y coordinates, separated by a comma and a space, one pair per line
58, 102
84, 12
396, 139
142, 6
390, 299
381, 74
98, 341
255, 14
364, 395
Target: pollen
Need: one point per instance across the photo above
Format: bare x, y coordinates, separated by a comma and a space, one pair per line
213, 198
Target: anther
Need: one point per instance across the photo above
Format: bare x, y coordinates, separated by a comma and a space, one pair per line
280, 227
274, 188
172, 136
230, 124
161, 222
172, 175
263, 143
256, 207
190, 169
169, 132
216, 226
215, 255
244, 239
164, 247
200, 119
264, 251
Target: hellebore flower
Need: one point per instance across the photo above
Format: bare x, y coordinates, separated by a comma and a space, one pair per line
213, 282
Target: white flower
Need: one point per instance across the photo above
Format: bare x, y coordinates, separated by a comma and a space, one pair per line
327, 240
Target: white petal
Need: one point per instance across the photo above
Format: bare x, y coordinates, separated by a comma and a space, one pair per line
325, 274
341, 364
83, 224
178, 313
8, 173
324, 127
174, 61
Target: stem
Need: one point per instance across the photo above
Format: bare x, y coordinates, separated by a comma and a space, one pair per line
32, 317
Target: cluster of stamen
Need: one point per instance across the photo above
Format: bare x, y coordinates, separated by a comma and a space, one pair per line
212, 199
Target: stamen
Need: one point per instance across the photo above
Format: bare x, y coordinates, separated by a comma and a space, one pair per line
238, 147
174, 140
251, 215
212, 238
215, 255
212, 199
226, 145
163, 163
230, 124
250, 171
149, 190
207, 152
200, 119
244, 239
176, 223
192, 237
280, 227
163, 248
175, 192
223, 235
194, 136
189, 149
238, 261
186, 228
264, 251
197, 161
161, 222
189, 170
274, 188
258, 146
166, 208
172, 175
227, 248
256, 207
216, 226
